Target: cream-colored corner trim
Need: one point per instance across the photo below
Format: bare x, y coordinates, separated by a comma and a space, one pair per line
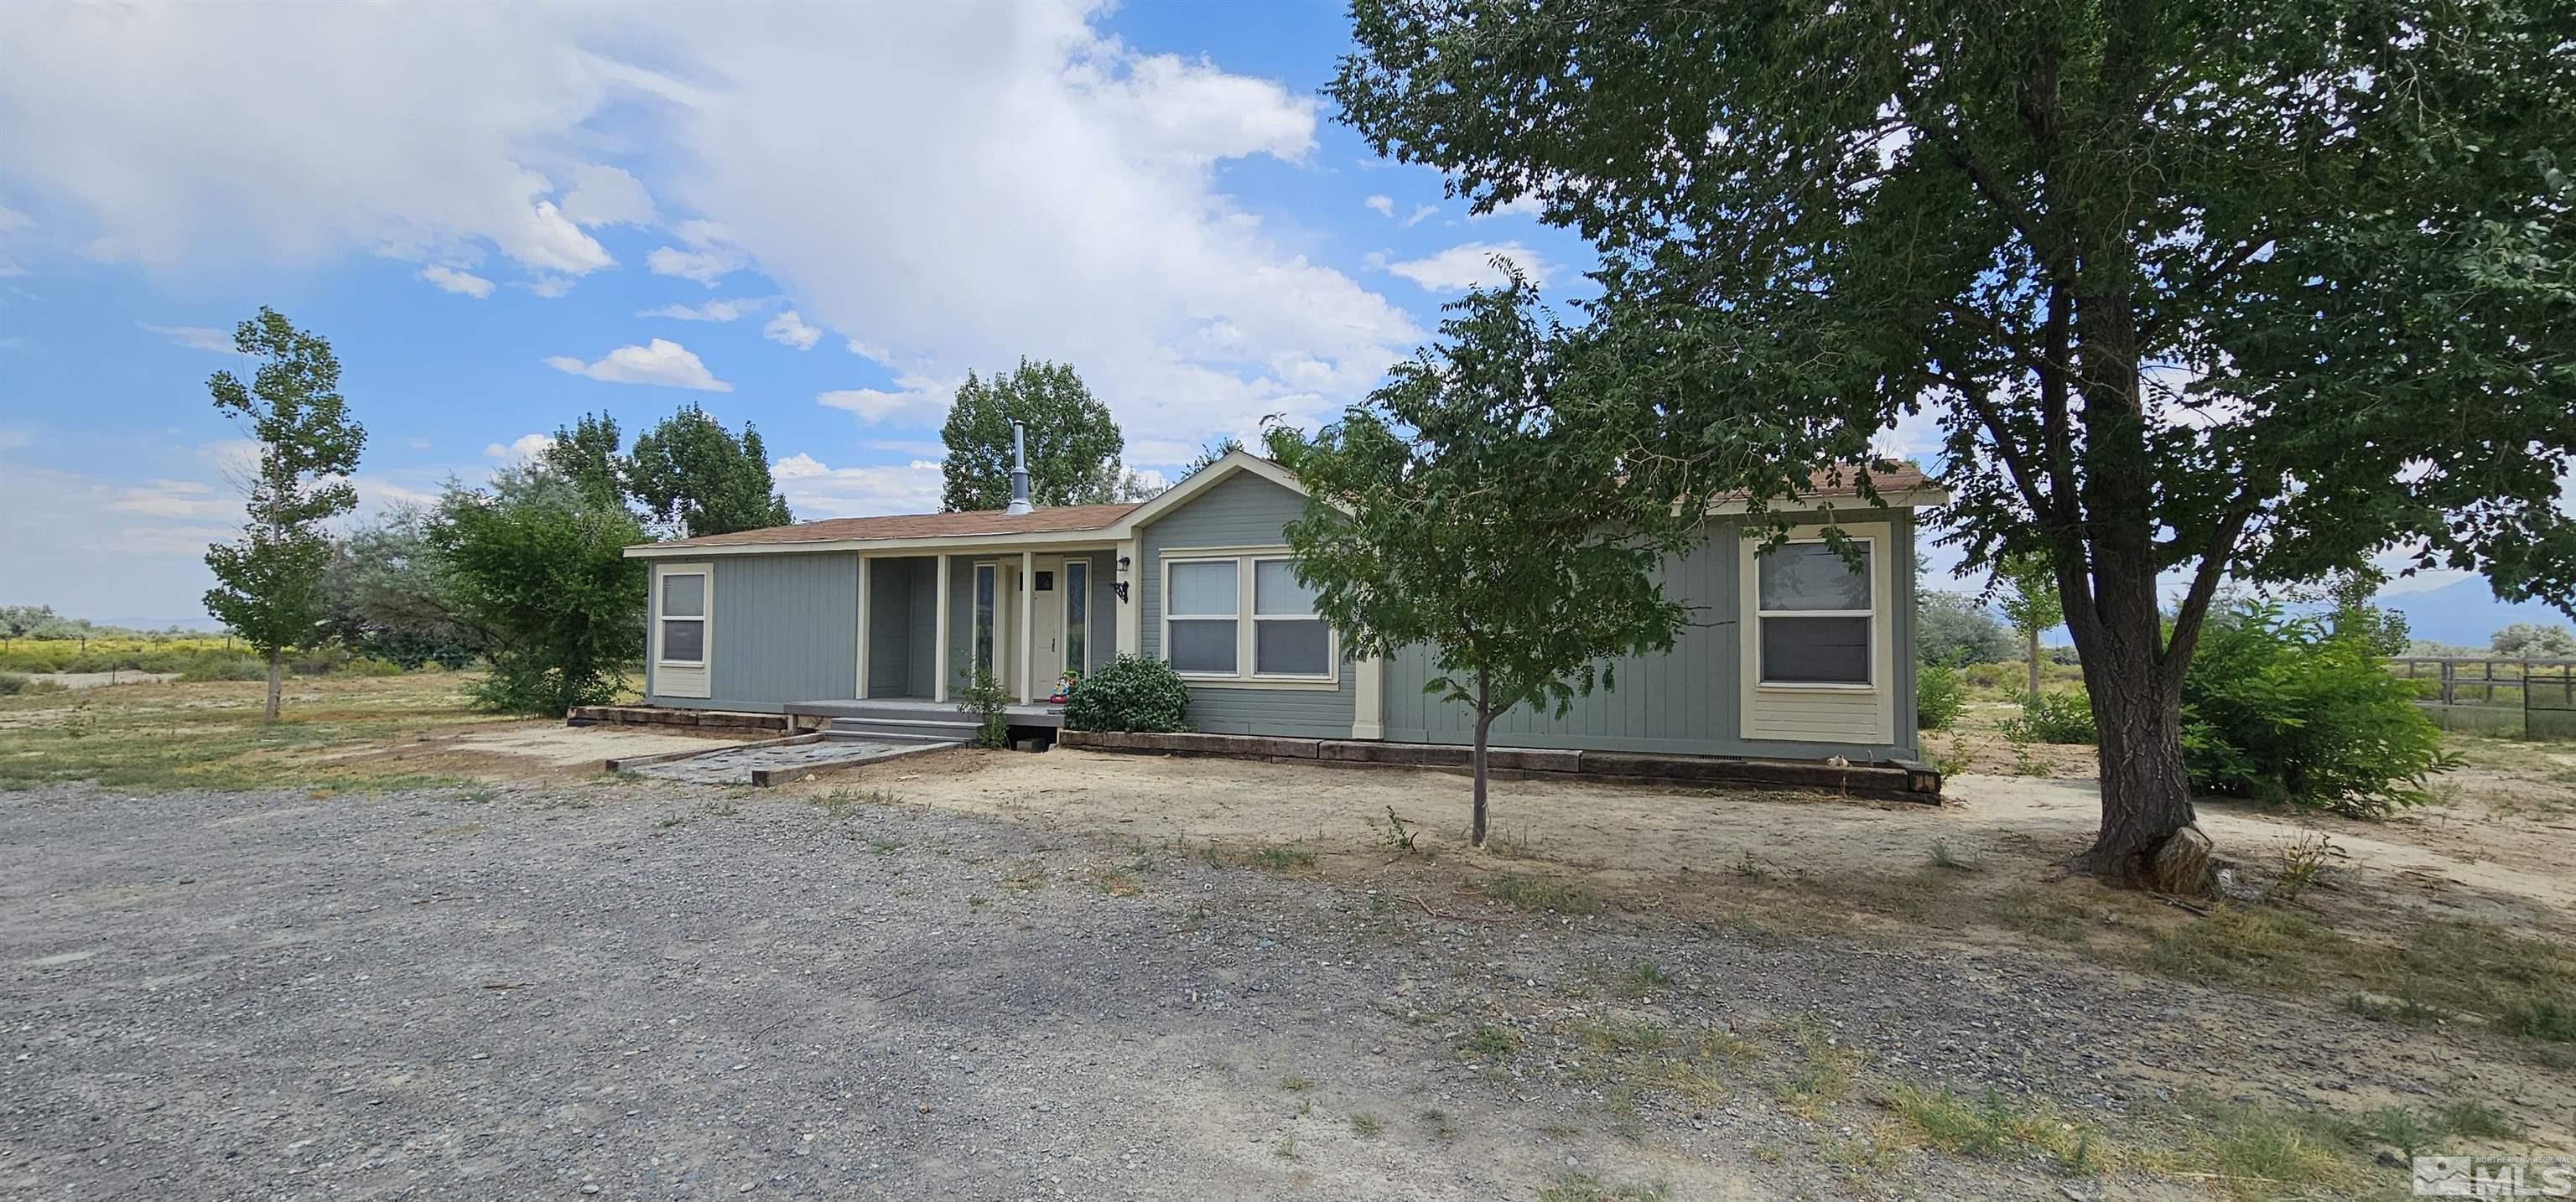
939, 654
1131, 619
860, 690
685, 680
1028, 619
1825, 713
1368, 712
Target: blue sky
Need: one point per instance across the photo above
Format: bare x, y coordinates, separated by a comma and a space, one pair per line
814, 218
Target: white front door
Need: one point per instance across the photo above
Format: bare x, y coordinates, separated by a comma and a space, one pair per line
1046, 626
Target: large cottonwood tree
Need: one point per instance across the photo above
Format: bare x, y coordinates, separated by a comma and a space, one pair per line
2198, 290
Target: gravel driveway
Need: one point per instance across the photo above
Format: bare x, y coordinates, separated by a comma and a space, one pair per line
650, 990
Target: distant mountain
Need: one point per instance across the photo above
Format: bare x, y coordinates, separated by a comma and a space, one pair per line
199, 622
2466, 613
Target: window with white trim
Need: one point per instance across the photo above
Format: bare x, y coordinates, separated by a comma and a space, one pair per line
1243, 618
684, 618
1814, 616
1201, 616
1287, 638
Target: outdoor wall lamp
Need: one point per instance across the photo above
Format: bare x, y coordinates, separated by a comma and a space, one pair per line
1122, 563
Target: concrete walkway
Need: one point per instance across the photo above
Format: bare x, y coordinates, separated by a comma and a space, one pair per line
736, 767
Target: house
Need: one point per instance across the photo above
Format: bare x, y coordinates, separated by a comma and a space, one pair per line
1793, 655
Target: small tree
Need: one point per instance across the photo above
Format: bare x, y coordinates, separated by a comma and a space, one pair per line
2030, 602
1956, 629
1461, 508
689, 472
1074, 445
541, 566
269, 587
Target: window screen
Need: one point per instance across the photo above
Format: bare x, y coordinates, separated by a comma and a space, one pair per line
1203, 588
1202, 645
1815, 615
684, 595
684, 640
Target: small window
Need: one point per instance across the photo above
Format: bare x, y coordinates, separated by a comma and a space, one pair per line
1815, 616
1200, 616
1046, 582
684, 618
1287, 638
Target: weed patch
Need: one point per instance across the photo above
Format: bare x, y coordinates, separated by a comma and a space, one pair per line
1536, 893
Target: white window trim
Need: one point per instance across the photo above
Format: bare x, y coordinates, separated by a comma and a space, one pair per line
705, 617
1876, 541
1244, 621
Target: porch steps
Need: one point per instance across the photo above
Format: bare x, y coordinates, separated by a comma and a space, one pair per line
902, 727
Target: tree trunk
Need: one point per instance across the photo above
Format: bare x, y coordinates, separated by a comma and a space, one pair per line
2136, 690
2030, 648
1484, 724
276, 683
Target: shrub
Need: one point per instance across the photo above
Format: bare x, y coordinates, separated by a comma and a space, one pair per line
12, 684
29, 661
2284, 709
1938, 696
981, 694
1129, 693
2052, 718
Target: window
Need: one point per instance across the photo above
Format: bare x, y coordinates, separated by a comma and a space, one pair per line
1244, 618
1287, 638
1200, 617
987, 586
1815, 615
1077, 615
684, 618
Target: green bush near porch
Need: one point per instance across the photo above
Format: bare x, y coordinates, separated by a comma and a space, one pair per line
1131, 693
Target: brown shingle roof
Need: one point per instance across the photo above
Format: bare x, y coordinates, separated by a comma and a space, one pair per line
1892, 479
1055, 519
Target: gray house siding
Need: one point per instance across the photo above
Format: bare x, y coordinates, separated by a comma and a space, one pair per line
1244, 510
785, 629
1687, 701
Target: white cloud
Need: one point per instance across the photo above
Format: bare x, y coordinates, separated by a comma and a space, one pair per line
523, 449
12, 440
463, 283
1525, 206
1024, 183
917, 398
176, 499
815, 490
607, 196
714, 310
711, 255
1419, 213
1385, 205
787, 329
660, 361
404, 133
195, 338
1468, 266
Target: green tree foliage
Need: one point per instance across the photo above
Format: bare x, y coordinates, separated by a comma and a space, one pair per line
2243, 291
1131, 692
2531, 640
2358, 616
689, 473
2286, 709
1955, 629
269, 583
1460, 508
590, 455
540, 565
2030, 602
390, 595
1074, 446
1938, 695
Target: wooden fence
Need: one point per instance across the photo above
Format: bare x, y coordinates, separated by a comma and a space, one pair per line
2534, 698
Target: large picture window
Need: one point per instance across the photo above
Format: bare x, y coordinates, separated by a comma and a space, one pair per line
1814, 615
1243, 618
684, 618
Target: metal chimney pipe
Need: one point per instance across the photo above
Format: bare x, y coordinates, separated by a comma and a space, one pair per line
1019, 469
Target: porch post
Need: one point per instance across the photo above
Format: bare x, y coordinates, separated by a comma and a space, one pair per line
862, 693
1028, 616
1132, 571
939, 652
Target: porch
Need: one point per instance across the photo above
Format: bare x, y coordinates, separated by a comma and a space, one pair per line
928, 622
917, 709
